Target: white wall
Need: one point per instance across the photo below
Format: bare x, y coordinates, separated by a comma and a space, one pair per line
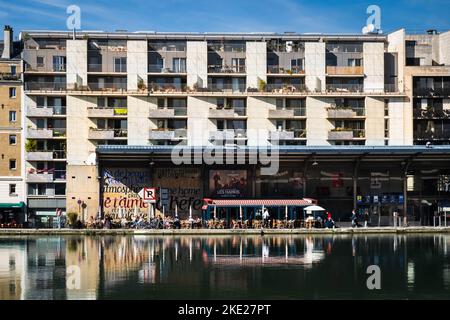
197, 63
373, 61
256, 63
137, 63
374, 121
257, 122
315, 66
396, 43
317, 124
76, 62
4, 189
444, 48
198, 122
138, 120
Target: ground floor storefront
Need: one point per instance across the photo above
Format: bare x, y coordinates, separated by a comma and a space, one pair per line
12, 215
387, 182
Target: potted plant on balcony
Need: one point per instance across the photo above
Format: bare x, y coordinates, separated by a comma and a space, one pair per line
261, 85
141, 85
31, 145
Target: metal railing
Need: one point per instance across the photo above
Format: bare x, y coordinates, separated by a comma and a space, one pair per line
344, 88
107, 86
419, 91
167, 88
227, 47
282, 70
356, 133
343, 70
98, 67
152, 47
286, 88
58, 132
8, 76
157, 68
436, 134
45, 86
226, 87
226, 69
431, 114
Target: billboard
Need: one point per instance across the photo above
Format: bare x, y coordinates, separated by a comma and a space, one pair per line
119, 190
228, 184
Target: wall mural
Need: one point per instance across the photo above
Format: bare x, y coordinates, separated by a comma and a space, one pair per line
120, 188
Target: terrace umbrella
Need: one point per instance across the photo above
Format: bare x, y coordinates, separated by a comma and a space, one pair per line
215, 212
286, 213
176, 210
240, 211
190, 212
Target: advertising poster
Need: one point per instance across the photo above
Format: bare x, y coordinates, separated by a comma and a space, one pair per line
228, 184
182, 187
120, 188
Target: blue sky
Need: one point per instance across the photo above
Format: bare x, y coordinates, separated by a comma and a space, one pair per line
226, 15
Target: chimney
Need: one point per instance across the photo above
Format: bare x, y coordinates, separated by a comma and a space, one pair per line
7, 43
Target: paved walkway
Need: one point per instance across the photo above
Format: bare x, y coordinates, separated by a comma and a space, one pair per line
370, 230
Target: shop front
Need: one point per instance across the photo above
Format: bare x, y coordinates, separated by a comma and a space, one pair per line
12, 215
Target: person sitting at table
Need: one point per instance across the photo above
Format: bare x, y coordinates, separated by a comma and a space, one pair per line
329, 223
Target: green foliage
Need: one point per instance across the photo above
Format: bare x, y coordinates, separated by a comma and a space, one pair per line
31, 145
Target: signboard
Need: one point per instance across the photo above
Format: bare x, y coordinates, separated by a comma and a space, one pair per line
148, 195
228, 183
164, 197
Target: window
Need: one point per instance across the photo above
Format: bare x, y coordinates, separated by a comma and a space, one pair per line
279, 104
59, 63
12, 164
354, 62
12, 190
13, 70
238, 64
386, 128
386, 107
179, 65
120, 64
220, 103
60, 189
12, 116
12, 139
161, 103
40, 62
297, 64
12, 93
40, 101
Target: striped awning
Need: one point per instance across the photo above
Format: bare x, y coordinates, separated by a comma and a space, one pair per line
258, 202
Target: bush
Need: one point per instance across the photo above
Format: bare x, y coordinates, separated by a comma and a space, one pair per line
72, 216
30, 146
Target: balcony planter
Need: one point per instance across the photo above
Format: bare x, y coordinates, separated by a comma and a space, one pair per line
120, 111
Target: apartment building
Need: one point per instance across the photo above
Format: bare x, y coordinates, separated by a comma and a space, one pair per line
12, 193
104, 111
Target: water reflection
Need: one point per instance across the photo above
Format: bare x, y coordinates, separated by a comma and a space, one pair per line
279, 267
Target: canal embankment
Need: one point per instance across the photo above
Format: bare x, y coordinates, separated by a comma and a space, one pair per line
206, 232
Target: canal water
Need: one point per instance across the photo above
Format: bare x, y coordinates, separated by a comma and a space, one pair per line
224, 267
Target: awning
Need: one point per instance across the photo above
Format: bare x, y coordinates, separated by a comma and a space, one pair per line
19, 205
259, 202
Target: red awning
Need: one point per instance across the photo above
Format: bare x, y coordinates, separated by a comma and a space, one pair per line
259, 202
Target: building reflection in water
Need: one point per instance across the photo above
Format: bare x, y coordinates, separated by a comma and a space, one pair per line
220, 266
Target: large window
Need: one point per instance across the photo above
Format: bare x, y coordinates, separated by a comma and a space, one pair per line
120, 64
179, 65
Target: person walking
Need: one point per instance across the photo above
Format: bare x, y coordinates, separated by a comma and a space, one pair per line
366, 218
266, 216
354, 219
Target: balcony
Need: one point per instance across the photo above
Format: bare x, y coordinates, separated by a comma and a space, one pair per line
434, 134
226, 69
281, 114
46, 111
104, 87
431, 114
345, 113
106, 112
431, 92
288, 134
46, 155
344, 88
106, 134
344, 71
286, 88
8, 76
39, 177
157, 68
346, 134
228, 134
228, 113
226, 88
167, 134
46, 86
107, 68
39, 133
273, 69
167, 88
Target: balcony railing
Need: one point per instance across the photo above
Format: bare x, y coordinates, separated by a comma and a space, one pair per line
288, 134
286, 88
48, 133
337, 113
345, 88
45, 86
107, 68
107, 86
431, 114
106, 112
9, 76
346, 134
106, 134
226, 69
167, 88
436, 134
227, 113
226, 47
157, 68
166, 47
228, 134
46, 111
46, 175
282, 70
439, 92
333, 70
226, 88
167, 134
46, 155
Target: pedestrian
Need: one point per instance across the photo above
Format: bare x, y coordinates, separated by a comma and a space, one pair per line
366, 218
354, 219
266, 216
329, 223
